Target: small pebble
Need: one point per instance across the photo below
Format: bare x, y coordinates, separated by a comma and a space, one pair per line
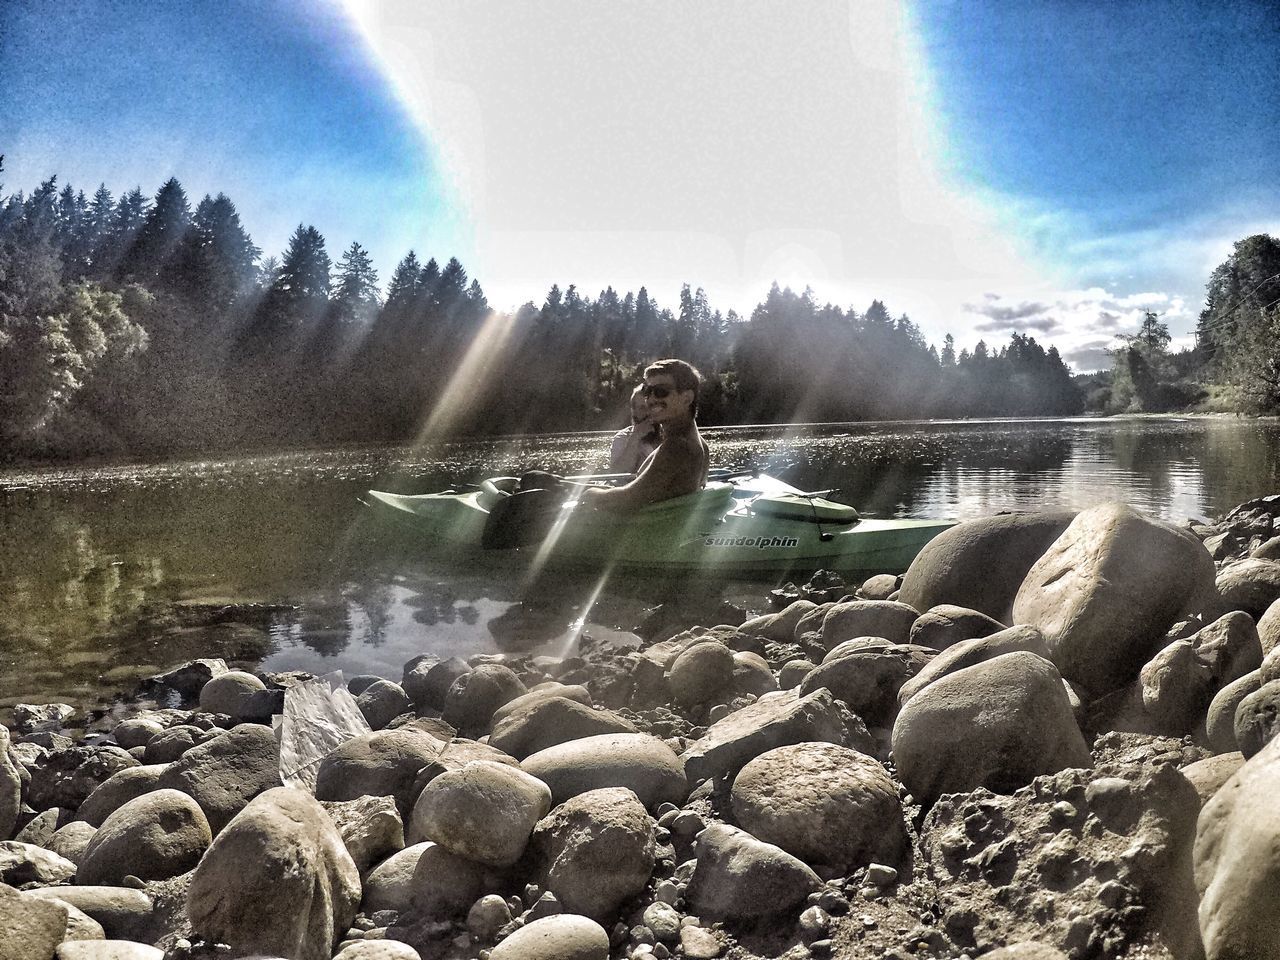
878, 875
687, 825
487, 916
641, 934
820, 948
666, 892
718, 712
814, 923
660, 951
665, 808
834, 902
699, 943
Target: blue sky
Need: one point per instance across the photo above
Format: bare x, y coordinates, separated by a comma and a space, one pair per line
988, 167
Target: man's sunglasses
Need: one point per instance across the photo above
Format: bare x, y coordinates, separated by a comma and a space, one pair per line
658, 392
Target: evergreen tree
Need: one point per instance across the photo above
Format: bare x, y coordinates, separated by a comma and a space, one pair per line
215, 261
159, 235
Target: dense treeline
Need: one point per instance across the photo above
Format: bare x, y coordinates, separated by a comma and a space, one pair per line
148, 325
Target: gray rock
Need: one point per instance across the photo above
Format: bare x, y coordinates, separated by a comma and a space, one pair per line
866, 674
543, 691
699, 943
1220, 719
30, 929
370, 827
774, 720
41, 828
1237, 863
230, 693
997, 724
38, 717
378, 950
1257, 719
190, 678
473, 697
703, 673
277, 880
389, 885
80, 926
1209, 775
484, 812
825, 804
880, 587
427, 682
752, 676
383, 701
22, 863
172, 743
122, 912
642, 763
946, 625
885, 619
10, 788
980, 564
225, 773
738, 876
1249, 585
1106, 591
487, 916
969, 652
547, 721
136, 732
71, 840
107, 950
154, 837
1026, 951
779, 627
64, 777
444, 885
384, 763
595, 852
1269, 628
563, 937
793, 673
119, 789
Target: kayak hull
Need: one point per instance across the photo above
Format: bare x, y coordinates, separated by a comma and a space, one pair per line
749, 528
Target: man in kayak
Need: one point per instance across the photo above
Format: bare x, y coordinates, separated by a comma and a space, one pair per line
679, 465
632, 445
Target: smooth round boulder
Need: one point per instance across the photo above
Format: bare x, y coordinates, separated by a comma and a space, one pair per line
866, 674
230, 693
1108, 589
1250, 585
997, 724
473, 697
1207, 776
107, 950
880, 587
779, 627
484, 812
154, 837
378, 950
277, 880
1237, 862
381, 702
119, 789
824, 803
751, 675
427, 681
980, 564
595, 852
547, 721
740, 877
703, 673
225, 773
886, 619
968, 652
1257, 719
543, 691
71, 840
169, 745
384, 763
389, 885
642, 763
136, 732
1220, 718
444, 885
563, 937
793, 673
946, 625
1269, 628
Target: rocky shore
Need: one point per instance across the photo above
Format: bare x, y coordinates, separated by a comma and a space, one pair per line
1053, 737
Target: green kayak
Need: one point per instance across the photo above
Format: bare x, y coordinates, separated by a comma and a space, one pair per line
741, 526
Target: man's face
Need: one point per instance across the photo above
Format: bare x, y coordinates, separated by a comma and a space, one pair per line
666, 403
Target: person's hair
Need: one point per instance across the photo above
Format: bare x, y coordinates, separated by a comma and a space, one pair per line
684, 375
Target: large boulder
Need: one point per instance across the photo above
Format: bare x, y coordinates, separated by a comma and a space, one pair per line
775, 720
484, 812
389, 885
230, 693
1237, 863
868, 618
740, 877
10, 788
543, 691
72, 840
1108, 589
118, 789
945, 625
1220, 718
826, 804
384, 763
277, 880
979, 650
444, 884
1249, 585
595, 851
371, 828
640, 762
1209, 775
866, 675
427, 681
154, 837
997, 724
65, 776
473, 697
381, 702
779, 627
1257, 719
22, 863
547, 721
225, 773
703, 673
563, 937
121, 911
1269, 628
30, 929
980, 564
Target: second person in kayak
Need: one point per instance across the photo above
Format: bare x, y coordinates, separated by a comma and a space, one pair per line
679, 465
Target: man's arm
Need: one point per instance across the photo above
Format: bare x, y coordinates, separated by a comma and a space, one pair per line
658, 479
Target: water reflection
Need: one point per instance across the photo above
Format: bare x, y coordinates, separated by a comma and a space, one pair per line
94, 560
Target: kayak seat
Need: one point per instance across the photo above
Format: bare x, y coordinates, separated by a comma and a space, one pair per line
495, 489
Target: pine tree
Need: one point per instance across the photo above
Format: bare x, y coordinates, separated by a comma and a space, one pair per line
215, 261
158, 237
355, 296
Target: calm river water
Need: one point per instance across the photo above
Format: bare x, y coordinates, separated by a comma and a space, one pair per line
111, 573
